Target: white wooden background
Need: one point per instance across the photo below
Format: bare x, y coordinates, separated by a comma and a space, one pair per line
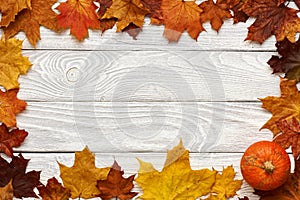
128, 98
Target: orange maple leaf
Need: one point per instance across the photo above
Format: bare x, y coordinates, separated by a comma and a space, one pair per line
273, 17
181, 15
215, 13
10, 105
126, 11
10, 139
10, 8
79, 15
284, 107
116, 186
29, 21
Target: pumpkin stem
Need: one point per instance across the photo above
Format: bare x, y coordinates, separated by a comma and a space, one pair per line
268, 167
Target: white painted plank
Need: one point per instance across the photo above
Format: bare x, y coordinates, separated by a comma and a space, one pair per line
142, 127
47, 163
230, 37
148, 76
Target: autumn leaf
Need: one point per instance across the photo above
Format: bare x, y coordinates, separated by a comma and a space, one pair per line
289, 62
116, 186
126, 11
225, 186
273, 17
290, 190
155, 12
23, 182
179, 16
215, 13
289, 136
238, 14
105, 24
10, 139
176, 180
29, 21
79, 16
10, 105
82, 177
284, 107
12, 63
7, 192
10, 8
53, 190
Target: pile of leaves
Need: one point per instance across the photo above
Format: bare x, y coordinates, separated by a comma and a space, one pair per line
272, 18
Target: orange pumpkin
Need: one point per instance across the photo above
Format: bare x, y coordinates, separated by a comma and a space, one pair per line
265, 165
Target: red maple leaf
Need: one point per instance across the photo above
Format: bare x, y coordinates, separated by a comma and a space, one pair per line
10, 139
54, 191
115, 186
273, 17
289, 62
289, 136
23, 182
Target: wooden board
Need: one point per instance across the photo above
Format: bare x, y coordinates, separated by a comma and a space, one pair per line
124, 76
142, 127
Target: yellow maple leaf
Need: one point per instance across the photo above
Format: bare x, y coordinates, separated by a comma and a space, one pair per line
225, 185
126, 11
7, 192
176, 180
82, 177
12, 63
10, 8
284, 107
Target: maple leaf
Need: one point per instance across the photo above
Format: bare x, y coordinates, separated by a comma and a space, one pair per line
238, 14
126, 11
289, 62
105, 24
273, 17
176, 180
290, 190
215, 13
181, 15
29, 21
10, 8
116, 186
155, 14
10, 139
7, 192
12, 63
10, 105
53, 191
289, 135
82, 177
79, 15
23, 182
286, 106
225, 186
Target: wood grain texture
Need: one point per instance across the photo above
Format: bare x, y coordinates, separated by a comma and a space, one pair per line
47, 163
142, 127
127, 76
